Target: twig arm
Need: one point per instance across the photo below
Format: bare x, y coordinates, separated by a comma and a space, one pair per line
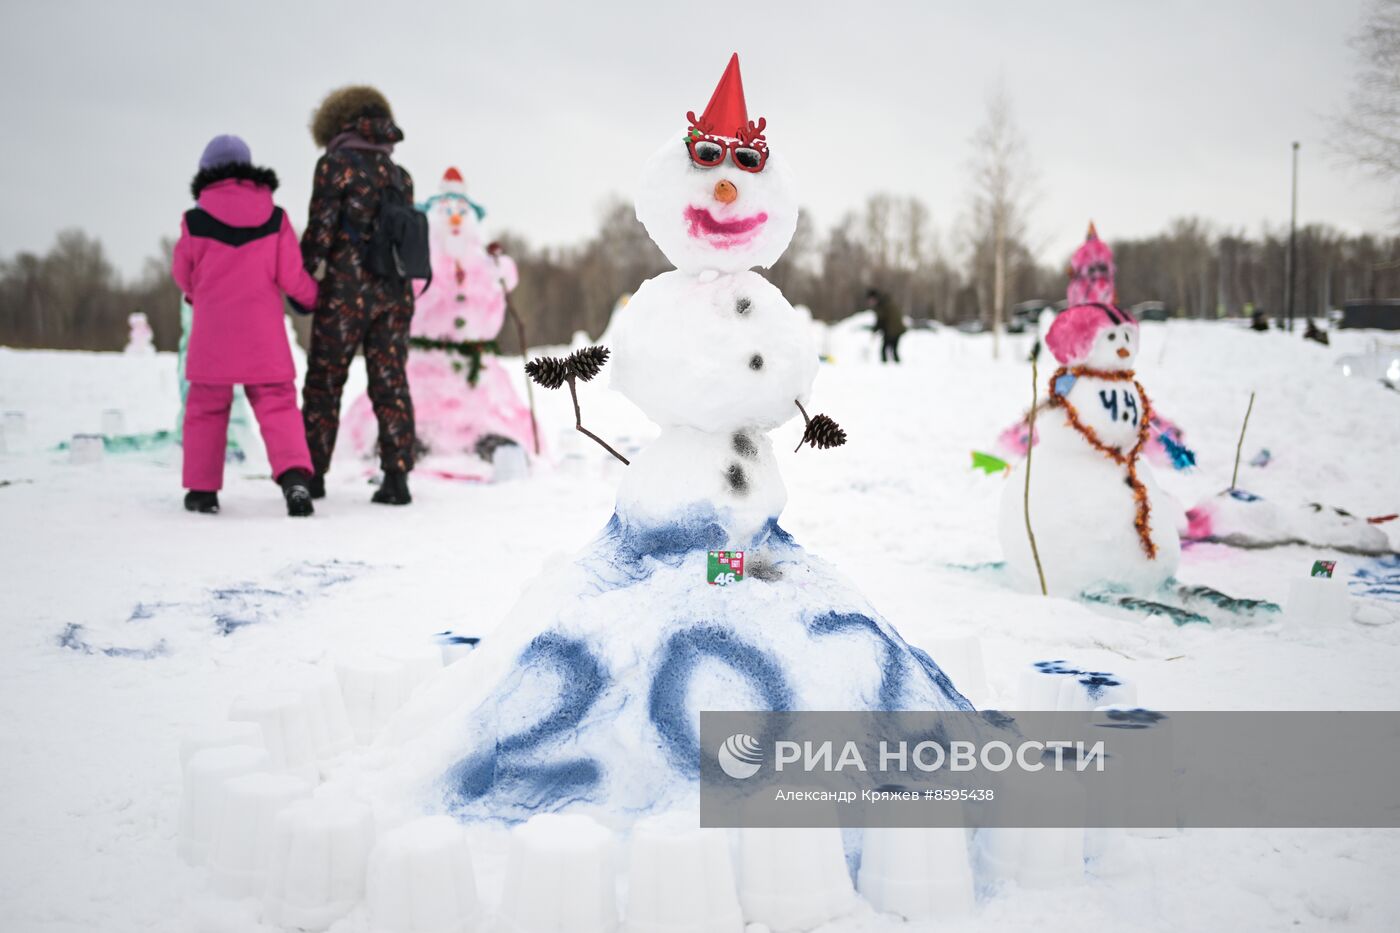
529, 386
578, 424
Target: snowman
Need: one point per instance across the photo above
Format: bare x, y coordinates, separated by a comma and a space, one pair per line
140, 339
693, 596
1091, 272
1091, 276
463, 398
1098, 517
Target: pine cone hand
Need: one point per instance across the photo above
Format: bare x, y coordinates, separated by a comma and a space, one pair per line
588, 362
822, 433
548, 371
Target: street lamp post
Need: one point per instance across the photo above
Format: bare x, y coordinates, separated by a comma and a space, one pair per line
1290, 286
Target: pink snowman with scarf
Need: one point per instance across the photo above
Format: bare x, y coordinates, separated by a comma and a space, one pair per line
1099, 517
464, 400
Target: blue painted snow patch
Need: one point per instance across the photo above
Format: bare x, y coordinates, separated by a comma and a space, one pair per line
508, 768
1377, 578
72, 638
450, 637
682, 655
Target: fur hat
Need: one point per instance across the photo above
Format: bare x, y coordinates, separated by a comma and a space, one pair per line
344, 106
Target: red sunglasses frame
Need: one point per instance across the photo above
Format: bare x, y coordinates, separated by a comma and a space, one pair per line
729, 147
748, 137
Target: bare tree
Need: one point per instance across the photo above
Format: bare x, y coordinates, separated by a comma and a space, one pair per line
1368, 134
1002, 179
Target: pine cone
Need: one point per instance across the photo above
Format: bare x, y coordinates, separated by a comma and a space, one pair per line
822, 432
548, 371
588, 362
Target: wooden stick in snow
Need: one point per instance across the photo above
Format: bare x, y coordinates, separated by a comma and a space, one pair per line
1030, 446
1234, 477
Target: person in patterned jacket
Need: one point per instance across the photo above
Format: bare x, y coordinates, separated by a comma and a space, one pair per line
356, 308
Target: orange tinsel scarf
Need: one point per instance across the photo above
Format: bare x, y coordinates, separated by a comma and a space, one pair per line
1143, 520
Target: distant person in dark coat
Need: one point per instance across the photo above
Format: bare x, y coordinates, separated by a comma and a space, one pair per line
1258, 320
1313, 332
889, 323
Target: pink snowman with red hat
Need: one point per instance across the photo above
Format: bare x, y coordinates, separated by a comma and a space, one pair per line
464, 400
1092, 273
1099, 518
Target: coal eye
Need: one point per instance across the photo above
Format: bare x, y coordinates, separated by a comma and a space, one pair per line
748, 158
1112, 335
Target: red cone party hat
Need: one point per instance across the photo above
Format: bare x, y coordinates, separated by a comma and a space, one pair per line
452, 182
726, 112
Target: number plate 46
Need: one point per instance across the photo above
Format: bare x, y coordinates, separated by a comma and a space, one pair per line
724, 568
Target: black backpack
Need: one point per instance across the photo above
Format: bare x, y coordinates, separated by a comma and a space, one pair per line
398, 247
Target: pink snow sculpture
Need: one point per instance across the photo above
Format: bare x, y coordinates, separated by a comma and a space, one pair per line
464, 400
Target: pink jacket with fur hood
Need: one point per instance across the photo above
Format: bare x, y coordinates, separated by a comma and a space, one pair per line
236, 256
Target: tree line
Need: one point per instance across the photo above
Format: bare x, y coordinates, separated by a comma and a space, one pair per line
72, 297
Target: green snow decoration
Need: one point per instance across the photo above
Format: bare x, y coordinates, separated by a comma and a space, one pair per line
987, 463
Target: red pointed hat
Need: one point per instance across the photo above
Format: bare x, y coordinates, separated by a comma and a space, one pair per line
726, 114
452, 182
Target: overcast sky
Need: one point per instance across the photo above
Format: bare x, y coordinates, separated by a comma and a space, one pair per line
1137, 111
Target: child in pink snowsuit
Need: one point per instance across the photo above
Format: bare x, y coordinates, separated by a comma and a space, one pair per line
236, 257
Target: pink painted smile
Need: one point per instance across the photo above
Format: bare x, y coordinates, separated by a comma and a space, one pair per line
723, 234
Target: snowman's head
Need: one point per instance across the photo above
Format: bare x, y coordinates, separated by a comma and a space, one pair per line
1097, 336
716, 196
454, 220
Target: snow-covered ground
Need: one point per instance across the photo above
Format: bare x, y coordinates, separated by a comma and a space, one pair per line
126, 622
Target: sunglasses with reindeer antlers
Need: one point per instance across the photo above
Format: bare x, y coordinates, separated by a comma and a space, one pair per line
749, 151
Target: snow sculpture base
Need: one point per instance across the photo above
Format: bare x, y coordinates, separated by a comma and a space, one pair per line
588, 695
86, 449
919, 874
793, 879
560, 878
220, 735
680, 879
1318, 601
206, 772
376, 685
242, 845
421, 879
319, 851
286, 726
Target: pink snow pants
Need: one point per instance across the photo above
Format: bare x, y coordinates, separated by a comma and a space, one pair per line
206, 430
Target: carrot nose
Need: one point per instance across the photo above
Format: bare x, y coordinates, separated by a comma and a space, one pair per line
455, 220
725, 192
1123, 352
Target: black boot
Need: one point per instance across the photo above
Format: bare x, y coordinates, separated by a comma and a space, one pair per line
296, 490
393, 490
317, 486
206, 502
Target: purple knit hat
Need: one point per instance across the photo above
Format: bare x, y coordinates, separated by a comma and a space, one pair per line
223, 150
